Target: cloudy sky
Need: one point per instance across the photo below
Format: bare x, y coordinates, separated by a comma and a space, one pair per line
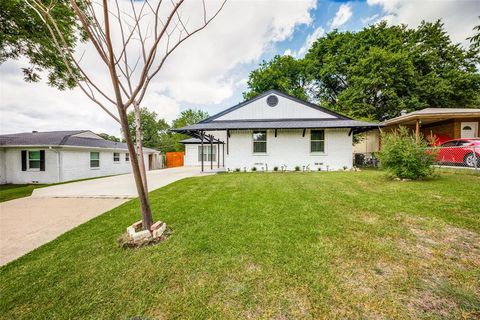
209, 71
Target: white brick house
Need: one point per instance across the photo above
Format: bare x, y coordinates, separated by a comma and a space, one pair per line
273, 130
57, 156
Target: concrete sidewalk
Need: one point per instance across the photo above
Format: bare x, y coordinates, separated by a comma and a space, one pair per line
30, 222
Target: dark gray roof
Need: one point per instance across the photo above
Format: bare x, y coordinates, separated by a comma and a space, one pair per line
198, 141
340, 121
277, 124
60, 138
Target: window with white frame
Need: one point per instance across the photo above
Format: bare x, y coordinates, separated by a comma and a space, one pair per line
127, 157
116, 157
317, 141
94, 159
34, 160
259, 141
206, 153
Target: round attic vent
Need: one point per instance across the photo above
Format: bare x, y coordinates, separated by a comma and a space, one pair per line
272, 100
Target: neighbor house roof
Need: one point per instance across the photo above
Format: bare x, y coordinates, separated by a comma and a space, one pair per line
337, 121
61, 138
434, 114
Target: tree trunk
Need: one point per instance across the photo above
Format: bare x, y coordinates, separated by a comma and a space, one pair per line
138, 138
147, 219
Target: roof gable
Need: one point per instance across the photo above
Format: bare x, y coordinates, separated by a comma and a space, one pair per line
288, 107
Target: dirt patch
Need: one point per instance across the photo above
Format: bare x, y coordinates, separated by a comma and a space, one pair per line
438, 252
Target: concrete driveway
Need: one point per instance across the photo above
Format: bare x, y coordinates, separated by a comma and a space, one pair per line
121, 186
30, 222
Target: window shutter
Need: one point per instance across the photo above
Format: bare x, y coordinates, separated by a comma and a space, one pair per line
24, 160
42, 160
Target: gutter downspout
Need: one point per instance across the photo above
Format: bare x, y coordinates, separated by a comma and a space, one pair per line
59, 159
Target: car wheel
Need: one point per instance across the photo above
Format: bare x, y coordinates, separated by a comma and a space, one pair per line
469, 160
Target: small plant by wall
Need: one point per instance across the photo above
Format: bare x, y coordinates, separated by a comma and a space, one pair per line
297, 168
254, 169
275, 168
237, 169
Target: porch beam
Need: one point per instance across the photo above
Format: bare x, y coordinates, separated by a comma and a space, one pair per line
304, 131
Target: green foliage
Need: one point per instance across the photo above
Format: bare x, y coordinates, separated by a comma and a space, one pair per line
297, 168
275, 168
475, 39
254, 169
378, 72
282, 73
156, 132
404, 156
23, 34
106, 136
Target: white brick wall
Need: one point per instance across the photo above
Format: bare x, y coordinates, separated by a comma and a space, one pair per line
291, 149
14, 173
74, 164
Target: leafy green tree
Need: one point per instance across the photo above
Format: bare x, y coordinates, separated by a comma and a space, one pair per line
150, 125
378, 72
475, 39
187, 117
106, 136
23, 34
282, 73
156, 132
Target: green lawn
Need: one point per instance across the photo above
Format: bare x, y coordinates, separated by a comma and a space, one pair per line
15, 191
268, 245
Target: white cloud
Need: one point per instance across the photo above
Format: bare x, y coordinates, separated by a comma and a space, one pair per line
458, 16
342, 16
371, 19
319, 32
206, 70
311, 38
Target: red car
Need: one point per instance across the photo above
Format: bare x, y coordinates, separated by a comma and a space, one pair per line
464, 151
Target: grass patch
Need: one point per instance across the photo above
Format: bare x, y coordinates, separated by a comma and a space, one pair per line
15, 191
267, 245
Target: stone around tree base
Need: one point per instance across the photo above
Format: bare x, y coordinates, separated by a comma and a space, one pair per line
136, 237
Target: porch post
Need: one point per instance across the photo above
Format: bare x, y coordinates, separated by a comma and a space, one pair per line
417, 129
201, 138
218, 153
223, 154
211, 153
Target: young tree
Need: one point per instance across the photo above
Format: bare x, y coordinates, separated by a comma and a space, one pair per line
132, 40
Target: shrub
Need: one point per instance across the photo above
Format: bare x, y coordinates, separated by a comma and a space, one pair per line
275, 168
254, 168
404, 156
237, 169
297, 168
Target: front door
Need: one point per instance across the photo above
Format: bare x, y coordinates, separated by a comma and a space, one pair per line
469, 129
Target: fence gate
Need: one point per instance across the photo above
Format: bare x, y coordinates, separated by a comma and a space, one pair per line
174, 159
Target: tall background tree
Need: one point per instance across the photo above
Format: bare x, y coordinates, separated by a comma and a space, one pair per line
156, 132
378, 72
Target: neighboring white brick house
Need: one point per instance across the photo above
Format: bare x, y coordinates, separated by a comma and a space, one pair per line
57, 156
273, 130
